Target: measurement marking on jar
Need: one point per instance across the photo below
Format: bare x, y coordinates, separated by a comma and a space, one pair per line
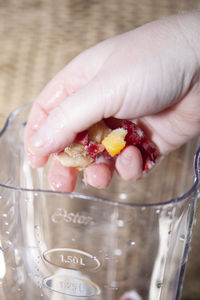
68, 258
71, 286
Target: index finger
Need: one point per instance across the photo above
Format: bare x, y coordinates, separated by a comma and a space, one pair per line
73, 77
51, 96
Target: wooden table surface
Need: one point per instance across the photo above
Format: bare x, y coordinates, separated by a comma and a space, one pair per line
39, 37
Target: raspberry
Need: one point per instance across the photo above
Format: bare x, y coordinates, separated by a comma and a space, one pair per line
93, 150
149, 154
82, 138
134, 134
106, 154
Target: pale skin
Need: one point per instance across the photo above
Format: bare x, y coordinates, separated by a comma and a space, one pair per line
151, 74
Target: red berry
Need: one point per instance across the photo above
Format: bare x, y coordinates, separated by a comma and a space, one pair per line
82, 138
106, 154
93, 149
149, 154
134, 134
136, 137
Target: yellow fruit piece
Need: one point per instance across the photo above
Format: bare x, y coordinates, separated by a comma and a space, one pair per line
115, 141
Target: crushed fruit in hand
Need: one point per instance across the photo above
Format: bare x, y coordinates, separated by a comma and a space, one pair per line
100, 139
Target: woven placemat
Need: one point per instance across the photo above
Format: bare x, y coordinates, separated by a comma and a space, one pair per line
39, 37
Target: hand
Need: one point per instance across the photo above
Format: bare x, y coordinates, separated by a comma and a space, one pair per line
151, 74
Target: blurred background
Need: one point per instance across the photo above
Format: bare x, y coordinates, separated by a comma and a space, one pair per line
39, 37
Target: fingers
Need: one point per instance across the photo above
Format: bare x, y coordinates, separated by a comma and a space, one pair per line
129, 163
64, 179
100, 173
36, 118
61, 178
